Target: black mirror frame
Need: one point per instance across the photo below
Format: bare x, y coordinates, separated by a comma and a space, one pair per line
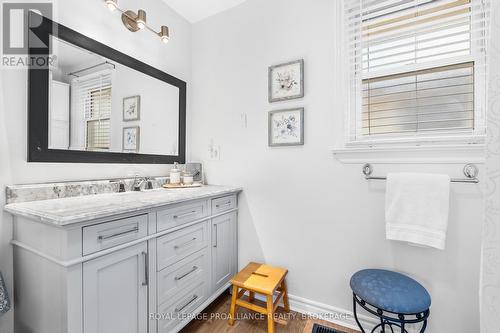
38, 102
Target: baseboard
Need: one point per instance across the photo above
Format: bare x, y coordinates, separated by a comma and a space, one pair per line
330, 313
327, 312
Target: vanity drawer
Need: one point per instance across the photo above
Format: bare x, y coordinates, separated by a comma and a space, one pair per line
181, 214
187, 273
182, 305
223, 204
180, 244
108, 234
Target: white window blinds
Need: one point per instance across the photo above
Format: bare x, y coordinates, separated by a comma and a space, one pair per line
417, 67
94, 102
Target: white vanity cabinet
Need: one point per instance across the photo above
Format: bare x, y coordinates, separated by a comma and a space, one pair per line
223, 249
115, 292
147, 271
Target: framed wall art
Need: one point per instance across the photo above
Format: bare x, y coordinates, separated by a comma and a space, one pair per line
286, 81
132, 108
131, 139
286, 127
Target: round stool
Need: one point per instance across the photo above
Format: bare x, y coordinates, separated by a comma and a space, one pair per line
394, 298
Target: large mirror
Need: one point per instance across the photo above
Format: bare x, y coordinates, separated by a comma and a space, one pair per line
95, 104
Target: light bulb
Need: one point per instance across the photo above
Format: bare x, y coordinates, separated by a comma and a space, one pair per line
164, 34
141, 19
112, 4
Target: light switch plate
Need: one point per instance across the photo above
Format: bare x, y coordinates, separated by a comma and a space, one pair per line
244, 120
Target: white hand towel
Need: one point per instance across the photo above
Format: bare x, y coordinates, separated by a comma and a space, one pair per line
417, 207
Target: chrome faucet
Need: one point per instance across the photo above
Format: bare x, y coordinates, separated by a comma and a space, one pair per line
139, 181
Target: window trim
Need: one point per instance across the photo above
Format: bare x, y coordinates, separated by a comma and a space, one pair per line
453, 153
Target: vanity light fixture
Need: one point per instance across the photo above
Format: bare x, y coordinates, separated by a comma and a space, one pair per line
112, 4
137, 21
164, 35
141, 19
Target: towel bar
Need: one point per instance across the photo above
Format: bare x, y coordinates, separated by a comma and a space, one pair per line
470, 171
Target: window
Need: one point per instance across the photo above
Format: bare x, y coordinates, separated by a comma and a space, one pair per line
94, 101
417, 69
98, 119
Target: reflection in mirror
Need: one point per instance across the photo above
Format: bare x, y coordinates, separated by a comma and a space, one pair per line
100, 105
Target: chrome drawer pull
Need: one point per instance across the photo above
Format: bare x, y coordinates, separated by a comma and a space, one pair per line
184, 244
194, 298
222, 205
184, 215
101, 238
177, 278
215, 233
145, 258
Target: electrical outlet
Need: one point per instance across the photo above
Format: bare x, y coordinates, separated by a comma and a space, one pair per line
214, 152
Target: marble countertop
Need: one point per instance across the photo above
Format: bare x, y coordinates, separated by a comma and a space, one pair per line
66, 211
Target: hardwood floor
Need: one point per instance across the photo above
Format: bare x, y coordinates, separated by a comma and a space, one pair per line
214, 320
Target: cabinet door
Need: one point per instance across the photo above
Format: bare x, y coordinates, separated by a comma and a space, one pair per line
224, 260
115, 292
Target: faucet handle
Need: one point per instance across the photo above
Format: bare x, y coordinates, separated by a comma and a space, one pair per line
121, 185
149, 183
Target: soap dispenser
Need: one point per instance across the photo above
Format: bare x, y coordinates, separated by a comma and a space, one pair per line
175, 174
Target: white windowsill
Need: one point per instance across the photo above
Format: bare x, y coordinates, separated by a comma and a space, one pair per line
428, 154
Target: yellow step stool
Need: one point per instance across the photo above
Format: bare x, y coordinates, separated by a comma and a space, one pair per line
260, 279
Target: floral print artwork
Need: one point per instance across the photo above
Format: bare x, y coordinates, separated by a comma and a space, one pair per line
131, 139
286, 81
286, 127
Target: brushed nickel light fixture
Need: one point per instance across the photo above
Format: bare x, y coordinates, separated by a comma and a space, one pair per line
137, 21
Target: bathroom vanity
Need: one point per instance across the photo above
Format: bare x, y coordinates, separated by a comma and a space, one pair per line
90, 261
122, 262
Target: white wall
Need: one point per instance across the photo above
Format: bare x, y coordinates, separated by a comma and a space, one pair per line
159, 112
91, 18
301, 208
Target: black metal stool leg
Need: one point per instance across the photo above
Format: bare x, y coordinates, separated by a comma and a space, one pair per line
354, 306
424, 326
388, 318
382, 324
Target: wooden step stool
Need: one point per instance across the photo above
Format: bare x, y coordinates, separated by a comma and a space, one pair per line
261, 279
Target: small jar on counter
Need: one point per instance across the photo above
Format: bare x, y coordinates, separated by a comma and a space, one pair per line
187, 179
175, 174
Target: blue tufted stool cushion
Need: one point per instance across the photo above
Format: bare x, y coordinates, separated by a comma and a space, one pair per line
390, 291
